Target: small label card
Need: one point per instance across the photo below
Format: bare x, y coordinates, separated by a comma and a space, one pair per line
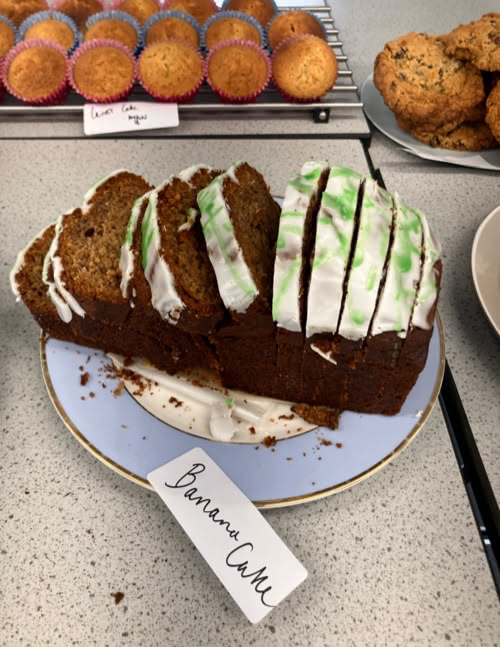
99, 119
239, 545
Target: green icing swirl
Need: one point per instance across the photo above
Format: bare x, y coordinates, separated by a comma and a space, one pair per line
149, 233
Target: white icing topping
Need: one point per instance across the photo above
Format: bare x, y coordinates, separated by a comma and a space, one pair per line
403, 273
187, 174
326, 356
126, 252
300, 191
368, 262
334, 230
236, 285
427, 292
221, 423
191, 219
87, 199
20, 262
164, 295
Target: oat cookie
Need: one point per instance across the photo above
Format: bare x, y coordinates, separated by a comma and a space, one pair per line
420, 82
469, 136
493, 110
476, 113
477, 42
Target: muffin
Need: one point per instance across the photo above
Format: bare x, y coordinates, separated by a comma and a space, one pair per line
172, 24
238, 70
227, 25
102, 71
141, 10
171, 70
36, 72
115, 25
304, 68
78, 10
50, 25
262, 10
7, 35
293, 23
199, 9
19, 10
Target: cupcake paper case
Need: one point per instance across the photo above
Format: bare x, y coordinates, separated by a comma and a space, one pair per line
36, 72
110, 80
229, 66
152, 24
170, 82
8, 35
122, 16
235, 15
42, 16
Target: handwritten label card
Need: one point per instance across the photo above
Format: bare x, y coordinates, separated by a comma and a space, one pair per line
99, 119
239, 545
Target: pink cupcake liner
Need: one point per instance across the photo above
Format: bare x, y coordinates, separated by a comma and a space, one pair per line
93, 44
284, 94
224, 96
54, 97
173, 98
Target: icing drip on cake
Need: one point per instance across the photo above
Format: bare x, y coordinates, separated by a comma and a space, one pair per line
19, 264
334, 231
87, 199
300, 191
326, 356
403, 274
126, 253
427, 292
368, 263
236, 285
164, 295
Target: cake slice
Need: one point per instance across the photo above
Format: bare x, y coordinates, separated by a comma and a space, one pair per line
292, 267
86, 254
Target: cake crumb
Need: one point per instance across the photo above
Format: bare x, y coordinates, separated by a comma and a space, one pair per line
269, 441
82, 397
124, 427
339, 445
118, 596
84, 378
284, 417
80, 368
256, 447
289, 458
92, 394
88, 359
175, 401
118, 391
325, 442
252, 430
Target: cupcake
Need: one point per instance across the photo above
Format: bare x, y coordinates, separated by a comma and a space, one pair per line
102, 71
304, 68
172, 24
171, 70
35, 71
19, 10
8, 35
115, 25
51, 25
238, 70
199, 9
227, 25
261, 10
141, 10
293, 23
78, 10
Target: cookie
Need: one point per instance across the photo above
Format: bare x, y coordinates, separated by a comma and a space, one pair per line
478, 42
493, 111
476, 113
419, 80
469, 136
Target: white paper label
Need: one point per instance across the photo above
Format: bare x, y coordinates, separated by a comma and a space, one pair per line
242, 549
126, 116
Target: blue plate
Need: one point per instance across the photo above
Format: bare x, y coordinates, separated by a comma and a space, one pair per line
127, 438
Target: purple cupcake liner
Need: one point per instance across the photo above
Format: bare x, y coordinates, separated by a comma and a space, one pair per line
54, 97
232, 14
173, 98
272, 2
224, 96
172, 13
298, 9
93, 44
35, 18
115, 14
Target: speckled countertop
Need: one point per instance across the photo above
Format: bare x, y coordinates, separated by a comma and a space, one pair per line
396, 560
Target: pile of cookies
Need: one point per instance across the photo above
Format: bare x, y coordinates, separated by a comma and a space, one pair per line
445, 90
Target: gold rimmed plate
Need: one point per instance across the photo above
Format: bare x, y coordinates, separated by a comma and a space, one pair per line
112, 426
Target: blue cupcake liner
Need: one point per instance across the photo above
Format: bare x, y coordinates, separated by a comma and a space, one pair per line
171, 13
50, 15
116, 14
275, 6
233, 14
12, 26
301, 11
